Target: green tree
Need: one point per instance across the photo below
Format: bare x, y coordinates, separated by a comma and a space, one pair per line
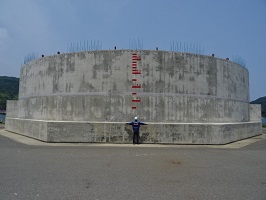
9, 87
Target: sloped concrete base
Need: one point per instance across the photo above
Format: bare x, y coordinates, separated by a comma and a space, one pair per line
119, 132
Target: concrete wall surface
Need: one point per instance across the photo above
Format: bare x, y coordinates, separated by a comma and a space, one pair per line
114, 108
88, 97
98, 86
30, 128
255, 112
118, 132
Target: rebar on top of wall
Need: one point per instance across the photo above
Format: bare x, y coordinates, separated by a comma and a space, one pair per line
29, 57
186, 47
93, 45
136, 44
239, 60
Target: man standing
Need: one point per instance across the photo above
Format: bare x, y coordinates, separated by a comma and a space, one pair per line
136, 125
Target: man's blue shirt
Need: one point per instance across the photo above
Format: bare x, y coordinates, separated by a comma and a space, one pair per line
136, 125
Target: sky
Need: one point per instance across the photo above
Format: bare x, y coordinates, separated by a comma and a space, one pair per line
228, 28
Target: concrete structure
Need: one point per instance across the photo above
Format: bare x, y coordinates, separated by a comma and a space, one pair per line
88, 97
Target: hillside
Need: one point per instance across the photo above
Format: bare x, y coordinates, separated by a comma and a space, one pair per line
9, 87
262, 101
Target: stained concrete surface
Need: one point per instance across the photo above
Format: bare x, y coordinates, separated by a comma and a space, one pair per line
114, 172
83, 96
119, 132
97, 86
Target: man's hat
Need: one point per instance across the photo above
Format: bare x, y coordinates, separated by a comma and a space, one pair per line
136, 118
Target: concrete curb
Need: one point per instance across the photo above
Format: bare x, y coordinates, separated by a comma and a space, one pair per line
30, 141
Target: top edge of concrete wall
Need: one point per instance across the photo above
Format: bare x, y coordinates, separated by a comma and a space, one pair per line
144, 50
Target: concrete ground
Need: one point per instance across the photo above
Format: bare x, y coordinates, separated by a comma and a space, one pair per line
32, 169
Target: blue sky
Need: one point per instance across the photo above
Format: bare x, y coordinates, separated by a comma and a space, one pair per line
226, 28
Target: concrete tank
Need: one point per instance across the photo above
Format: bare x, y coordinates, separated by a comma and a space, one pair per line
97, 91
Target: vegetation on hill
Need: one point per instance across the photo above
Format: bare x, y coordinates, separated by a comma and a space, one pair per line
9, 87
262, 101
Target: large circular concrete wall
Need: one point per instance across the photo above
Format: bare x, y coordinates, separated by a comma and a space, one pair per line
97, 86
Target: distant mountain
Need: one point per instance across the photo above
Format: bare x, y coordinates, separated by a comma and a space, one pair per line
262, 101
9, 87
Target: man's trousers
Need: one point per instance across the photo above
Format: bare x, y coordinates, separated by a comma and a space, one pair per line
136, 137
